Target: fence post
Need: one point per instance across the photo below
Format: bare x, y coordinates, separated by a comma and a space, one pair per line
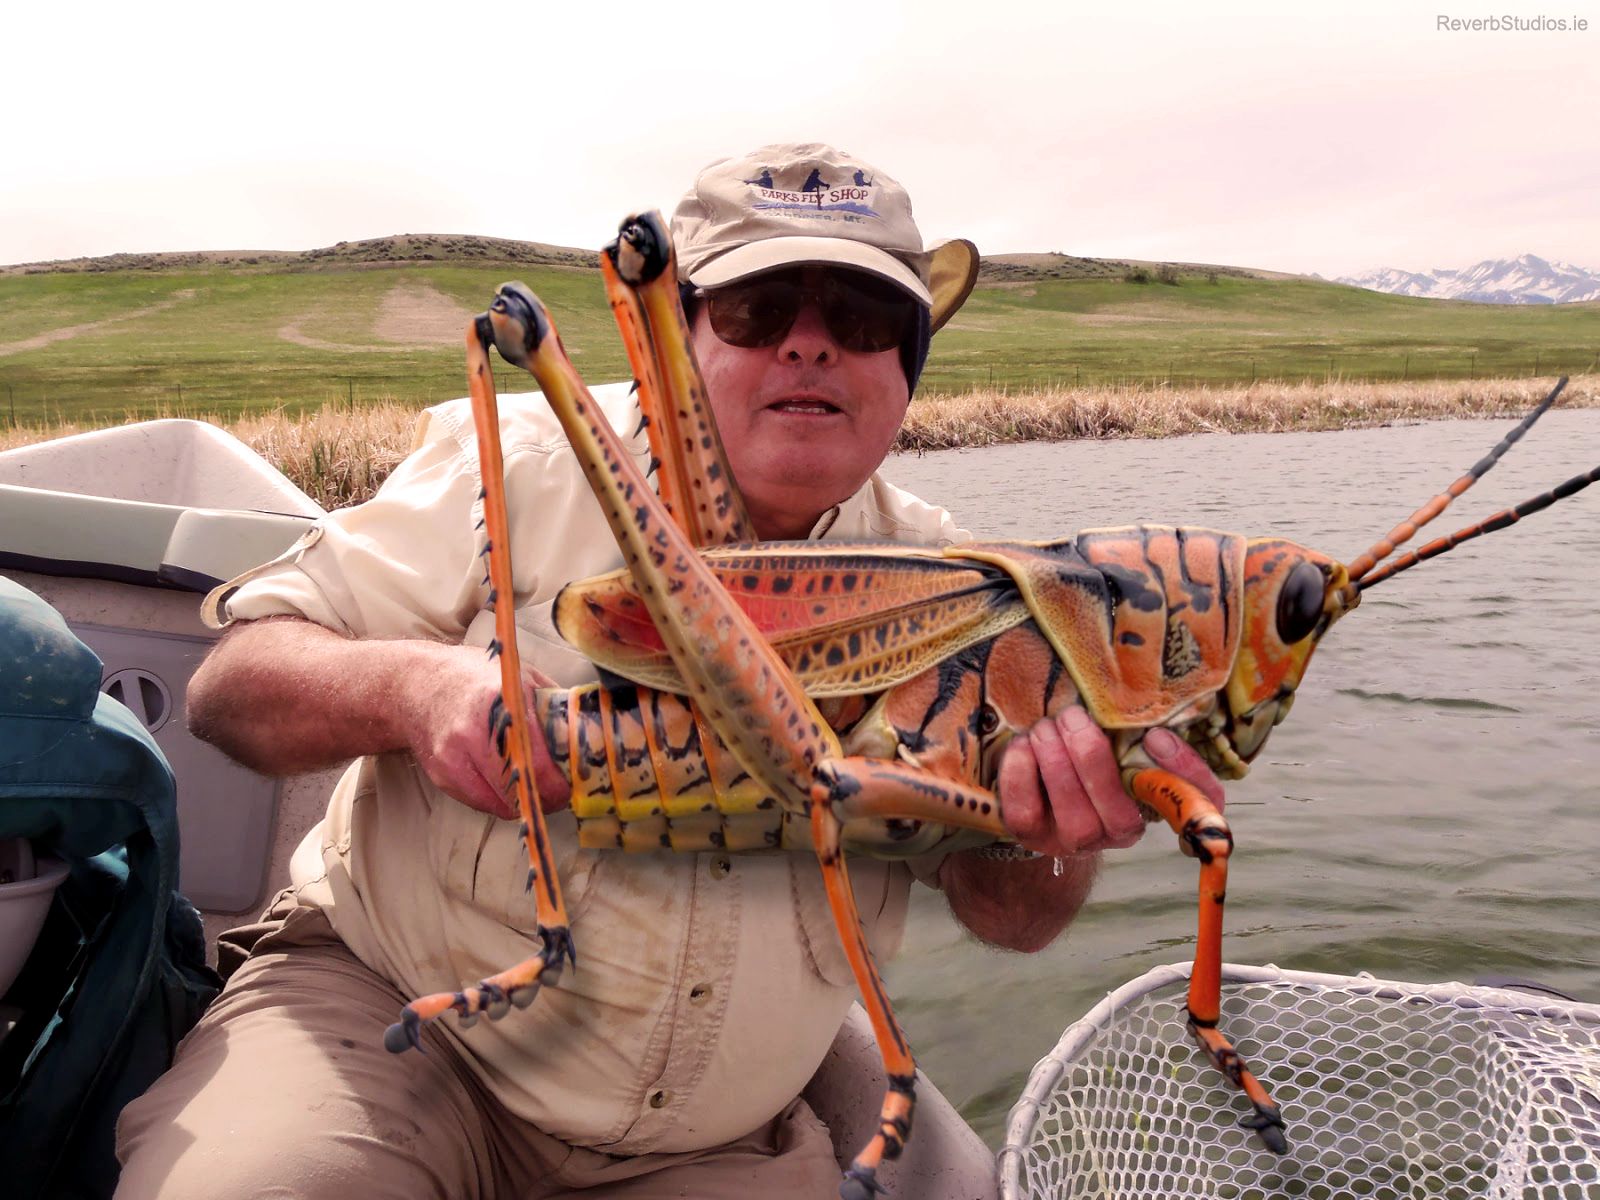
12, 396
350, 392
1406, 374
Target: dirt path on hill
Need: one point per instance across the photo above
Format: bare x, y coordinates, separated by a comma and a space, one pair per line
410, 315
40, 340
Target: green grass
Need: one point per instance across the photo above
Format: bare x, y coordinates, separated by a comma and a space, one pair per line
1070, 332
216, 348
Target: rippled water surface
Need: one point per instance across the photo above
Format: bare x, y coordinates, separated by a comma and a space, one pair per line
1430, 810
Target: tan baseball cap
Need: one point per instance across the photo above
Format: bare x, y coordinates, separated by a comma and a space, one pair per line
804, 202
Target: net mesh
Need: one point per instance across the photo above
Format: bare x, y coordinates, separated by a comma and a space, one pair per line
1390, 1090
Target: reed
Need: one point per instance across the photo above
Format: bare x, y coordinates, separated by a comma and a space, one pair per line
992, 417
339, 455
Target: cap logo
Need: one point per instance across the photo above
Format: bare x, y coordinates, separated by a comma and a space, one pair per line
849, 200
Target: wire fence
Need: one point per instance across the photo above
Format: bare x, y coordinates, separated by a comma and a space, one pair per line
1266, 370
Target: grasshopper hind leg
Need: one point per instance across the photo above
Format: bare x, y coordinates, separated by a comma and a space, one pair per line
894, 1118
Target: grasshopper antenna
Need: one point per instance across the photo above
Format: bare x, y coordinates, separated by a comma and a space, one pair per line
1506, 516
1407, 529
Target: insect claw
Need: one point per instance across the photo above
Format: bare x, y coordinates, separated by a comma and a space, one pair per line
860, 1183
404, 1034
1268, 1124
496, 1003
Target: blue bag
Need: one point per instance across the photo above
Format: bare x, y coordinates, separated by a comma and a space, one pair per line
118, 975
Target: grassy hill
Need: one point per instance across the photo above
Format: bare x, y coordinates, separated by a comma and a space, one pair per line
230, 333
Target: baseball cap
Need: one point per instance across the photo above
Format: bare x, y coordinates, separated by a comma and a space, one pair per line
794, 203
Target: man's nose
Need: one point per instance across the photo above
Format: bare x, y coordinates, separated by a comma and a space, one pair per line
808, 340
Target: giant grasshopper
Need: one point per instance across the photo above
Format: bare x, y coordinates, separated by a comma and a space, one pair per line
825, 696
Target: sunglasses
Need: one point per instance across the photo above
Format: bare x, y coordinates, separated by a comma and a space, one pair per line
861, 312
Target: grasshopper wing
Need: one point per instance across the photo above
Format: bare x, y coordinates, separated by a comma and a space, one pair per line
846, 618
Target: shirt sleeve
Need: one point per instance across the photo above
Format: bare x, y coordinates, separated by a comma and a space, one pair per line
401, 565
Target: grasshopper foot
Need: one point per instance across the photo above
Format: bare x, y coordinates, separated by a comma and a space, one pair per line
404, 1033
1269, 1127
860, 1183
492, 997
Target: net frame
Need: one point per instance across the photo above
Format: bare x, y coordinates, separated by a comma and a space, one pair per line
1391, 1089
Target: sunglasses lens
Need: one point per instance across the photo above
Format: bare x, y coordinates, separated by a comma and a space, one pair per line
863, 314
751, 315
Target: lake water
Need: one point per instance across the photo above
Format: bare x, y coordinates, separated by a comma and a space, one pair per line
1431, 808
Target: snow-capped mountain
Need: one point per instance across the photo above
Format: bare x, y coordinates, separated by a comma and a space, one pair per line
1525, 280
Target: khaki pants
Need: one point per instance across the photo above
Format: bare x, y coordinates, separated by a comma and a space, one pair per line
284, 1089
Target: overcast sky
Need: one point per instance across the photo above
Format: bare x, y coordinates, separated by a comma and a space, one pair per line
1329, 137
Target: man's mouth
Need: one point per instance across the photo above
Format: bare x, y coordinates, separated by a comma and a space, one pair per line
813, 405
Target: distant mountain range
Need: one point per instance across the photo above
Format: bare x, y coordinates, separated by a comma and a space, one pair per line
1525, 280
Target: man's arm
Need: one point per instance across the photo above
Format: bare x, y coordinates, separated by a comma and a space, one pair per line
1061, 793
284, 695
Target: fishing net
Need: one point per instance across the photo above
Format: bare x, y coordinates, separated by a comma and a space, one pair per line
1390, 1090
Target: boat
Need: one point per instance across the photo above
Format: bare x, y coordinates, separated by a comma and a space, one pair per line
123, 531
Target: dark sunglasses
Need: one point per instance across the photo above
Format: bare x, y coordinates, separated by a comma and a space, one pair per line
861, 312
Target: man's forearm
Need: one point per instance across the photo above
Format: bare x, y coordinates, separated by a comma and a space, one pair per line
1017, 904
285, 695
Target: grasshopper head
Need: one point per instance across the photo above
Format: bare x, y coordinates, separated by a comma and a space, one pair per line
1292, 596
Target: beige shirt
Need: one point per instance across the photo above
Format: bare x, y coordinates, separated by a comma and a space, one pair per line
707, 987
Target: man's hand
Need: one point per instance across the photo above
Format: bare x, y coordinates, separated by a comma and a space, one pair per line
1061, 790
1060, 794
448, 732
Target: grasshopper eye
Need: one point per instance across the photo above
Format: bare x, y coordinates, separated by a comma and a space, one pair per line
988, 720
1300, 603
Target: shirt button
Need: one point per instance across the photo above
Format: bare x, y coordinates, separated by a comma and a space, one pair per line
700, 993
721, 866
659, 1098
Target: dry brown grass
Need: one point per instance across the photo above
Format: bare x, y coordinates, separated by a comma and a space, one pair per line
336, 455
988, 418
339, 456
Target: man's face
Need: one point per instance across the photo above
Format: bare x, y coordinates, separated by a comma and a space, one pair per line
804, 421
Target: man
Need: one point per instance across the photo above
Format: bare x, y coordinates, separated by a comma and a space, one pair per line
708, 987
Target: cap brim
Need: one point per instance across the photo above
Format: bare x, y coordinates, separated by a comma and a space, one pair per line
952, 273
769, 254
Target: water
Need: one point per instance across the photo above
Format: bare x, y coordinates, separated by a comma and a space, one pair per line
1431, 808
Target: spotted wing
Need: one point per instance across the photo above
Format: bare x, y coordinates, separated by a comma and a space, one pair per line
846, 618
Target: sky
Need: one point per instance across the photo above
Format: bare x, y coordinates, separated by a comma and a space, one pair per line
1325, 137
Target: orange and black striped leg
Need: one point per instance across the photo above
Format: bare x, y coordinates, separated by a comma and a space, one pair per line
873, 787
894, 1119
511, 732
1203, 833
